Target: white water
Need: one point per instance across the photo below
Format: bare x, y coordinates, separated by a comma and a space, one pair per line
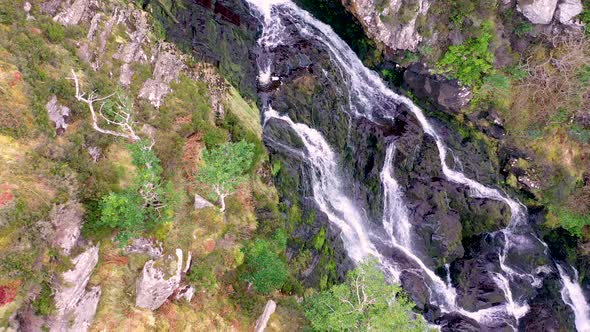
395, 213
367, 97
572, 295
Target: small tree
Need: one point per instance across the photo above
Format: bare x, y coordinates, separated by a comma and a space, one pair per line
364, 302
224, 168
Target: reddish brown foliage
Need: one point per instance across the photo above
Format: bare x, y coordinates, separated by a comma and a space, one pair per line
209, 246
8, 292
115, 259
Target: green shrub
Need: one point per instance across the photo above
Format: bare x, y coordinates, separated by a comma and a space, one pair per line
264, 268
571, 221
55, 32
523, 29
44, 304
364, 302
469, 62
202, 276
214, 137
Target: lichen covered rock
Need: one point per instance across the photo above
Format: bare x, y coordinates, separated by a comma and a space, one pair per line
538, 11
158, 280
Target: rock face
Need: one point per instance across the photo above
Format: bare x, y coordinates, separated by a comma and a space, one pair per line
446, 95
262, 321
538, 11
158, 280
391, 22
75, 305
568, 9
167, 68
74, 11
65, 222
58, 114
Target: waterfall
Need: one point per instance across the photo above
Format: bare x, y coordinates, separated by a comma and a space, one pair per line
369, 97
572, 295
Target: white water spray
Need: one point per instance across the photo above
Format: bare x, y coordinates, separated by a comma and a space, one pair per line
572, 295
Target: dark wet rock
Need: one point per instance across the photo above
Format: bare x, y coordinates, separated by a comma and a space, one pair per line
489, 122
419, 293
456, 322
446, 95
547, 311
215, 39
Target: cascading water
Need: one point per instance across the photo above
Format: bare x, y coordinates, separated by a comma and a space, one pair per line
367, 94
572, 295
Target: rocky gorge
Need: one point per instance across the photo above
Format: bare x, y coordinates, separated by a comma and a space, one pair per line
368, 150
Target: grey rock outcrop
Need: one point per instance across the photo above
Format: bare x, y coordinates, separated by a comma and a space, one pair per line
393, 23
132, 51
537, 11
567, 10
201, 203
168, 65
58, 114
75, 305
145, 246
82, 315
158, 280
64, 226
186, 292
262, 321
73, 12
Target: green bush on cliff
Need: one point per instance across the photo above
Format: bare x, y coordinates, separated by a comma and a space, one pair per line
145, 204
364, 302
264, 268
471, 61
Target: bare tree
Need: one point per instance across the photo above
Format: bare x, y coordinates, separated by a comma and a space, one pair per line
119, 115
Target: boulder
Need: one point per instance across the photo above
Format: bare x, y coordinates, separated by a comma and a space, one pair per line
201, 203
58, 114
537, 11
446, 95
158, 280
262, 321
568, 9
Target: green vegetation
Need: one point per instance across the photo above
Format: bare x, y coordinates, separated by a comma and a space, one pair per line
224, 168
471, 61
364, 302
44, 304
265, 269
145, 204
